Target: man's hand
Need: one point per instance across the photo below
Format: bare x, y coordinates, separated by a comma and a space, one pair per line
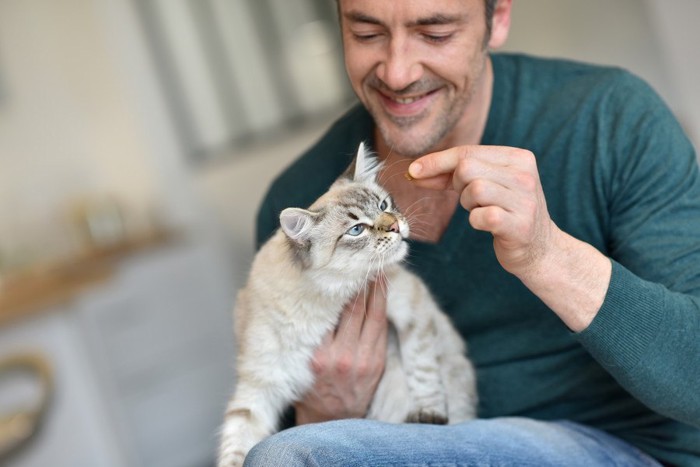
501, 189
350, 362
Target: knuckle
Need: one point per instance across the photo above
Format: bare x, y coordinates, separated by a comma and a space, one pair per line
528, 157
477, 189
464, 167
527, 181
344, 364
492, 217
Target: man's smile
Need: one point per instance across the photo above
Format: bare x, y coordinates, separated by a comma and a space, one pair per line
406, 105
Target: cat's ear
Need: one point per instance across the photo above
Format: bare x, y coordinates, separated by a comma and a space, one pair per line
297, 223
365, 167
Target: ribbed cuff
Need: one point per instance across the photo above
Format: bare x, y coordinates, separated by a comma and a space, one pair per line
627, 323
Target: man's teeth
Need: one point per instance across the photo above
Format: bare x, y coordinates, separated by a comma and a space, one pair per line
407, 100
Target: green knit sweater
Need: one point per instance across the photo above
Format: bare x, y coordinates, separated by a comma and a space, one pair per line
618, 173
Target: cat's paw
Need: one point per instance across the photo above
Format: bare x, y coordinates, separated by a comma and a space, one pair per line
232, 458
237, 439
427, 416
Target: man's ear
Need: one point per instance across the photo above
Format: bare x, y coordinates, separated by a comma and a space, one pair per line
297, 223
500, 23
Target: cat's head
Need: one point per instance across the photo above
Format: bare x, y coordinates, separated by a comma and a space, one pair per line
354, 228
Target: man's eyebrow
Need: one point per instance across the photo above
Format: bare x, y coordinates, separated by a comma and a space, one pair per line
434, 20
359, 17
437, 19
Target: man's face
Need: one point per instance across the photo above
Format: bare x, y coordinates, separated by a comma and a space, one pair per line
415, 65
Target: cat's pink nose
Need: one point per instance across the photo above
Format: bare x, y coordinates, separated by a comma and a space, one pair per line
393, 227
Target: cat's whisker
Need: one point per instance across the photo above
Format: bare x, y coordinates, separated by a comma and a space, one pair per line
407, 209
418, 217
391, 177
420, 231
382, 179
370, 267
384, 284
357, 296
419, 220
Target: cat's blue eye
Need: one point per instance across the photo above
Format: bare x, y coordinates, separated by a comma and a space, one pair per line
356, 230
384, 205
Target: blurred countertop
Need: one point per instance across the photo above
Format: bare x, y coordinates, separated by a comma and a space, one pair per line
38, 288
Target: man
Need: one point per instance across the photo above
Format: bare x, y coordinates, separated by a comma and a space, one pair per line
558, 208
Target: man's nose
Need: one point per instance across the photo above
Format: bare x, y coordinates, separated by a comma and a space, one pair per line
400, 66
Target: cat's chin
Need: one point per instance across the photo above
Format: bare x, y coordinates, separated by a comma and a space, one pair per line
398, 254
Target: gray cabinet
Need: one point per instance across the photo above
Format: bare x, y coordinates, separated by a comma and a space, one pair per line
151, 355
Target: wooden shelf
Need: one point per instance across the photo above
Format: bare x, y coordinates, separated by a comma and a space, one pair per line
42, 286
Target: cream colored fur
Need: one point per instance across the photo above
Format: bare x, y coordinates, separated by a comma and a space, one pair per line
299, 283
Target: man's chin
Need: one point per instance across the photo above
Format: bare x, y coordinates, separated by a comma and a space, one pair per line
408, 141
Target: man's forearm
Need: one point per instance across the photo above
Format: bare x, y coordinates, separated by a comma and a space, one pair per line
571, 279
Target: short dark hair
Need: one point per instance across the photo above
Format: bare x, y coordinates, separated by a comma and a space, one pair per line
490, 7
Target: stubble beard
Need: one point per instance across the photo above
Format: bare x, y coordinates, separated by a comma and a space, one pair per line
398, 132
401, 134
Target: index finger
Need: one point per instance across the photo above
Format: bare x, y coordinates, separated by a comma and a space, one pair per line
435, 170
437, 163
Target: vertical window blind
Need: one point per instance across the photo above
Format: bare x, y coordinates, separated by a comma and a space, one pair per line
235, 71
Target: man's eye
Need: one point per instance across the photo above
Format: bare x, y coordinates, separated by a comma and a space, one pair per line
437, 38
356, 230
365, 37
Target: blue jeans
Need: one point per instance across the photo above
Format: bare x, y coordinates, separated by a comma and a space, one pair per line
493, 442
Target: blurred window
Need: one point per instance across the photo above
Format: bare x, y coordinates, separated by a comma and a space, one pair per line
237, 71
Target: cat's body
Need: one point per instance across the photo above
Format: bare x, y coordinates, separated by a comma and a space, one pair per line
299, 283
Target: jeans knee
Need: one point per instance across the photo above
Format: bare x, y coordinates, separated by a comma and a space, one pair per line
308, 445
278, 450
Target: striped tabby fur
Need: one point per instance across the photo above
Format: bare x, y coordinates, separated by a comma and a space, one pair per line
300, 280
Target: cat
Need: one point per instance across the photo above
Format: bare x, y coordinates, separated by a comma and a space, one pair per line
300, 280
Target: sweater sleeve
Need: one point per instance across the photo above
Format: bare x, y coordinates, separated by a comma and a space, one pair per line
267, 221
647, 332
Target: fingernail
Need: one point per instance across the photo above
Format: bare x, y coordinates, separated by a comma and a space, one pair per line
415, 169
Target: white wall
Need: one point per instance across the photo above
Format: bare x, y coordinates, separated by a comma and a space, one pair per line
65, 131
675, 24
81, 117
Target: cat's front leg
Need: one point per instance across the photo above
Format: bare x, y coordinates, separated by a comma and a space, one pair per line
422, 369
411, 309
251, 416
238, 436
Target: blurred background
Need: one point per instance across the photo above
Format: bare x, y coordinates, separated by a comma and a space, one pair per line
136, 140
